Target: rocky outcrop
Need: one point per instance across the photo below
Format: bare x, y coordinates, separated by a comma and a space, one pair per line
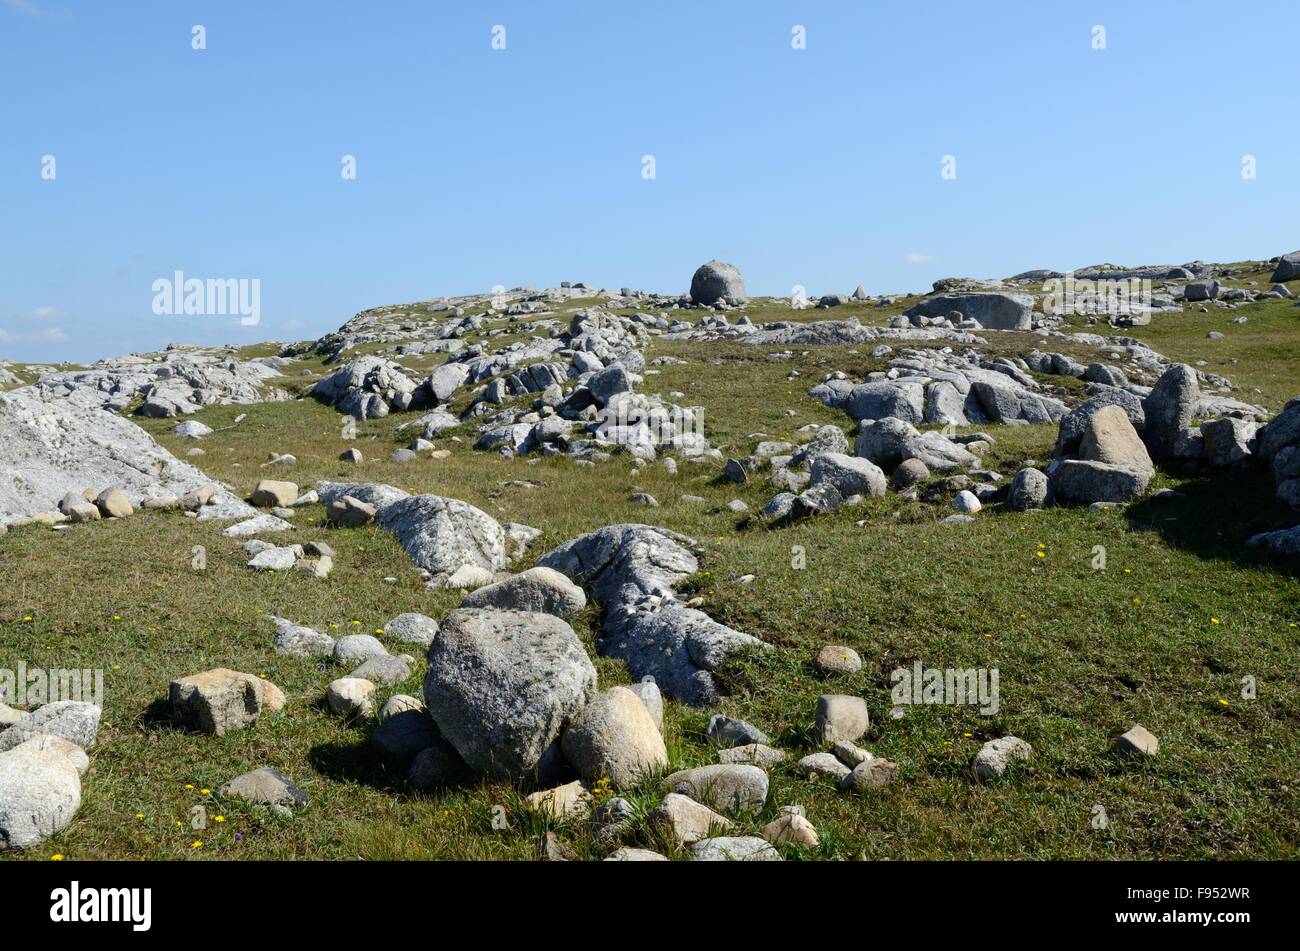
632, 570
50, 448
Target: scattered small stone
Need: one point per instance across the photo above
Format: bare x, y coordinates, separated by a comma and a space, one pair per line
874, 773
791, 829
841, 717
995, 756
726, 731
1138, 741
686, 820
220, 701
266, 786
725, 787
350, 697
742, 848
836, 659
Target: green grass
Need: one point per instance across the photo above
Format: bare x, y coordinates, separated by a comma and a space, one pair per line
1082, 653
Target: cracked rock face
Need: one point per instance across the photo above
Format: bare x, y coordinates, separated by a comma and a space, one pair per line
49, 448
631, 569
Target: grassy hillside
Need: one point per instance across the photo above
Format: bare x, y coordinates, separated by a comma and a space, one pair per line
1162, 636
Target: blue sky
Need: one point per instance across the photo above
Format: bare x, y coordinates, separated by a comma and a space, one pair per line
817, 167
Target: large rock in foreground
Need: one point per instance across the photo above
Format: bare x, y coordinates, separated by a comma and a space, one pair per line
50, 448
717, 281
615, 738
502, 685
40, 790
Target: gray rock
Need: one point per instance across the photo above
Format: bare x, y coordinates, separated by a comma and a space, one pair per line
904, 401
384, 669
818, 500
1075, 422
824, 764
537, 589
615, 737
743, 848
725, 787
717, 281
779, 506
910, 472
993, 310
826, 439
653, 699
402, 736
1029, 489
412, 628
757, 754
220, 701
882, 441
436, 767
850, 475
1085, 482
400, 703
871, 774
501, 685
1138, 741
349, 512
355, 648
350, 698
1169, 409
995, 756
726, 731
836, 659
1227, 440
684, 820
265, 786
69, 720
443, 535
841, 717
192, 429
40, 791
1111, 438
635, 855
49, 448
1288, 268
631, 571
299, 641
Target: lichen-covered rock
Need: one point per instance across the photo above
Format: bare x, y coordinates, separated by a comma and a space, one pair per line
502, 685
631, 570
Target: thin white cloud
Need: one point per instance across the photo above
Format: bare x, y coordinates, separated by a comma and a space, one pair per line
25, 7
41, 315
30, 8
915, 257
